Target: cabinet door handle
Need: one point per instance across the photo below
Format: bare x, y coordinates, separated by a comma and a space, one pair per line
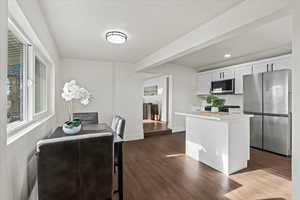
220, 75
272, 67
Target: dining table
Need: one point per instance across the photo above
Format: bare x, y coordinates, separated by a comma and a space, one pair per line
88, 129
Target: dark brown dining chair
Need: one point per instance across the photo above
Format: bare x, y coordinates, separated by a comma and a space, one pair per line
114, 122
76, 169
87, 117
120, 127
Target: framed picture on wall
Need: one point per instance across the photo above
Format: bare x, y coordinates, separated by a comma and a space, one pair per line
151, 90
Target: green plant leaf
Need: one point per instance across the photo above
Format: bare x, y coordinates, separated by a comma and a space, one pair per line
215, 101
210, 99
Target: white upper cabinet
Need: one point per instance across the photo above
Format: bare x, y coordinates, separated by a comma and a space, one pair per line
260, 67
272, 65
284, 63
228, 74
216, 75
204, 83
224, 74
239, 72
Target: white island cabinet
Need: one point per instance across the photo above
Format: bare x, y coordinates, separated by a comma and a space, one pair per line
221, 141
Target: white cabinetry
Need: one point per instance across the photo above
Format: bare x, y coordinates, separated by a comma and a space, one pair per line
224, 74
260, 67
204, 83
272, 65
239, 72
284, 63
204, 79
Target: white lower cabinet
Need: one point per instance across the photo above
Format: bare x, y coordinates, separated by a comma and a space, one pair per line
239, 74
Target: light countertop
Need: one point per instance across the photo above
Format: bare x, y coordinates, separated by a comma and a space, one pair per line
219, 116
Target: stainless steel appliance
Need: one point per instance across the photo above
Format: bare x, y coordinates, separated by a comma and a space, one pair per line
222, 87
267, 96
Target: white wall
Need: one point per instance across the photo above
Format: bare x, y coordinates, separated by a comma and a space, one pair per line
3, 63
296, 100
116, 89
95, 77
14, 157
128, 99
183, 91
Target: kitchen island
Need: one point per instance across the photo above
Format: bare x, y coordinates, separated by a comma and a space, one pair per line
219, 140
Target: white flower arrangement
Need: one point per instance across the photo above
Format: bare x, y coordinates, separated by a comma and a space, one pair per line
71, 92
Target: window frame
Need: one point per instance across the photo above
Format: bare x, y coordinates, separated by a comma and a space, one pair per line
30, 53
39, 56
20, 36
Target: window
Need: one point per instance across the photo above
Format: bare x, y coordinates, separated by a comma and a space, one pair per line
40, 86
26, 81
15, 78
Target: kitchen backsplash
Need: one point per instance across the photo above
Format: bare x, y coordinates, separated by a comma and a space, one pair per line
232, 100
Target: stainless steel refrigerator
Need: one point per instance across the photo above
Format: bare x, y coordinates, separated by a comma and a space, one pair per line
267, 96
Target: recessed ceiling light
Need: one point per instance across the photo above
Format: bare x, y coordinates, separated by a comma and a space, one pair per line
116, 37
227, 55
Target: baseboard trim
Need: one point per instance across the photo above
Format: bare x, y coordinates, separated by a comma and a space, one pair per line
134, 137
178, 130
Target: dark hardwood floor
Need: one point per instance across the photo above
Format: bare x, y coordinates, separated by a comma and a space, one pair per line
157, 169
152, 128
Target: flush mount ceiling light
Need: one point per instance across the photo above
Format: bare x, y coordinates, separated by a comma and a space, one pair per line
116, 37
227, 55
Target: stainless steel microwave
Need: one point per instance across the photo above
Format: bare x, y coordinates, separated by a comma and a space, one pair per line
222, 87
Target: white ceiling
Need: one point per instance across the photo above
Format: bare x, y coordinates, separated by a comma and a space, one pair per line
78, 26
269, 40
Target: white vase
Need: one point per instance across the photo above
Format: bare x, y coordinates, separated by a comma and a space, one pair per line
214, 109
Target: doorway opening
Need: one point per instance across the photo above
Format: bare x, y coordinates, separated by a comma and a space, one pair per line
157, 98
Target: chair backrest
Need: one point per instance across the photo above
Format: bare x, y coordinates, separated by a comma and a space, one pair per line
87, 117
114, 122
63, 165
120, 127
